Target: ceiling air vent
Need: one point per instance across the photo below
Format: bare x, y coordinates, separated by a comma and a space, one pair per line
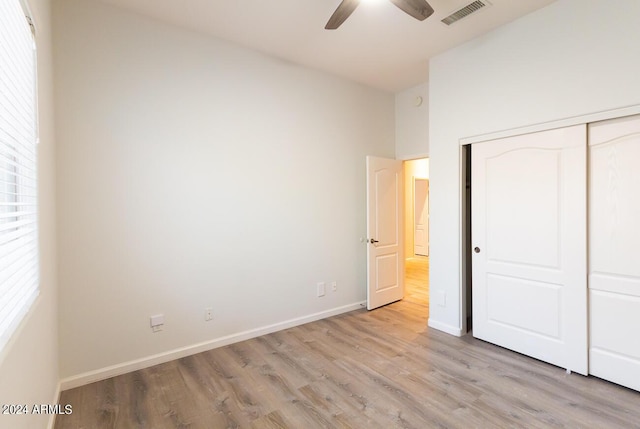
465, 11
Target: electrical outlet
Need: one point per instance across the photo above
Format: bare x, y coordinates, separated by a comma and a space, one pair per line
208, 314
321, 289
334, 286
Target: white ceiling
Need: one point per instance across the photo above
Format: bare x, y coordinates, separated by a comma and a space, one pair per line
379, 45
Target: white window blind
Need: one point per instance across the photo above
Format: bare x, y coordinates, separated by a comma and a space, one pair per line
19, 273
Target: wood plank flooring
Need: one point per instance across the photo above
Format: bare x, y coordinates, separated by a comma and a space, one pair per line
378, 369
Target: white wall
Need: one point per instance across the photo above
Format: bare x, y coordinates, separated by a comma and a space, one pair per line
194, 173
412, 123
29, 362
569, 59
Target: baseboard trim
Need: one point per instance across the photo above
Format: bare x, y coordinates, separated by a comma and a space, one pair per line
134, 365
56, 400
453, 330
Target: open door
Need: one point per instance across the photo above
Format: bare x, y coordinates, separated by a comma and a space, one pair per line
385, 248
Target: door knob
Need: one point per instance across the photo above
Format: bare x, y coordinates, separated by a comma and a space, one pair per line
373, 240
476, 249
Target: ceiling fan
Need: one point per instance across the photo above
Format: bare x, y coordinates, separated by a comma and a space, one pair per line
419, 9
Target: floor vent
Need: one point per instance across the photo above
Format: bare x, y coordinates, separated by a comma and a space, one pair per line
465, 11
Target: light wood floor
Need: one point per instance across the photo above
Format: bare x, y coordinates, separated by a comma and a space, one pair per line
378, 369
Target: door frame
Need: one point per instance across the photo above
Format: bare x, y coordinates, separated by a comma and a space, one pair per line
413, 207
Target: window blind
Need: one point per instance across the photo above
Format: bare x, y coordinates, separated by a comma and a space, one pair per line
19, 272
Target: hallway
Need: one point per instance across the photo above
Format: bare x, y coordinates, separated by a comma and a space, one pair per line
416, 284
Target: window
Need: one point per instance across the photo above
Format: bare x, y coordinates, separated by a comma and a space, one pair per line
19, 273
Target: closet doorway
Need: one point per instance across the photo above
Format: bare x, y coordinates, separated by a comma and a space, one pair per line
554, 234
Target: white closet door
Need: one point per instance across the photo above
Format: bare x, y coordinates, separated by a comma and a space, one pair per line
614, 250
529, 245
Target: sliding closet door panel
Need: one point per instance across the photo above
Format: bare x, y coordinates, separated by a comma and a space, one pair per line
529, 245
614, 250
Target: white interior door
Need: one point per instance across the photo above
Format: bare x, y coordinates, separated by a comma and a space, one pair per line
529, 245
614, 262
385, 249
421, 217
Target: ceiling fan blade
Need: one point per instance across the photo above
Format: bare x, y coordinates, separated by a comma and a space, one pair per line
343, 11
419, 9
